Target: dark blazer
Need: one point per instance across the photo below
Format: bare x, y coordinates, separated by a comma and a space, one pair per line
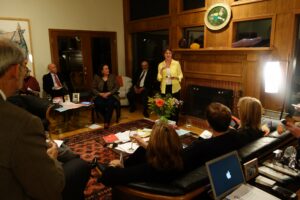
149, 79
203, 150
48, 83
112, 85
27, 172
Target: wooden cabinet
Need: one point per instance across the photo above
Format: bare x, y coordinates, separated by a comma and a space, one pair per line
218, 44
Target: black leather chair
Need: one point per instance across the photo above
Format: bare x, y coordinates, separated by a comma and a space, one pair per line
196, 182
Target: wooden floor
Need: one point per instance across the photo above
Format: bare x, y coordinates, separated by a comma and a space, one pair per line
65, 126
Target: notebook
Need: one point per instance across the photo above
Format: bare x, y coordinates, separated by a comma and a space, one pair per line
226, 176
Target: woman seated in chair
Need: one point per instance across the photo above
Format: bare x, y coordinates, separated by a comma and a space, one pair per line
157, 161
250, 112
105, 88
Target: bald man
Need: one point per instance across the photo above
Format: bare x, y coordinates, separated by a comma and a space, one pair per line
53, 82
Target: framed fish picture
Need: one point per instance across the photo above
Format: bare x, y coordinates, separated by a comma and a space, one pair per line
18, 31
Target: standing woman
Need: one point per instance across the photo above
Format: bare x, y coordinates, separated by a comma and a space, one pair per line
170, 75
105, 88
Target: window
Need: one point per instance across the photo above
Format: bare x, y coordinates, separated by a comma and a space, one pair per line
254, 33
194, 35
140, 9
192, 4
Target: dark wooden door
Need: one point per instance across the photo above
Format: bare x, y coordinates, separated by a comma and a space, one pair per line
78, 55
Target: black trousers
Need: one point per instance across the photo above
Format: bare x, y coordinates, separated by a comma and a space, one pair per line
131, 96
77, 173
105, 106
176, 95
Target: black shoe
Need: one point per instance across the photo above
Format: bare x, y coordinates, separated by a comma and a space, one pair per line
95, 164
146, 114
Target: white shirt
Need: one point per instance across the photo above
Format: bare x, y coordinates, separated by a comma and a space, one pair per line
143, 79
169, 80
3, 95
56, 87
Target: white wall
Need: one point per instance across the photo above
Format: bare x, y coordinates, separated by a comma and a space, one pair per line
97, 15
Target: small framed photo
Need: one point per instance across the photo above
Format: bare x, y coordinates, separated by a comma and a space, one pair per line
251, 169
75, 97
67, 98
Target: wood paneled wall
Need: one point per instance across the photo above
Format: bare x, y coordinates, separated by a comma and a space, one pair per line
217, 60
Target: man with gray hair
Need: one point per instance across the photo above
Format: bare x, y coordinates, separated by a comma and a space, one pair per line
28, 165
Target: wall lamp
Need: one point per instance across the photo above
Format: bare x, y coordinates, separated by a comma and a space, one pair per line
272, 76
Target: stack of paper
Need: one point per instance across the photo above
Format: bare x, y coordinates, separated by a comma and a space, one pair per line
128, 147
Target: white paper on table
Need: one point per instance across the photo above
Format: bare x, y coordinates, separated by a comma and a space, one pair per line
249, 192
58, 142
206, 134
61, 109
181, 132
94, 126
126, 147
123, 136
70, 105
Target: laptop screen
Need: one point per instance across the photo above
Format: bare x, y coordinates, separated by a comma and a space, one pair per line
225, 174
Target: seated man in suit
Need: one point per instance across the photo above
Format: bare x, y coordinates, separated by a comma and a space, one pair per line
53, 82
28, 166
142, 85
76, 170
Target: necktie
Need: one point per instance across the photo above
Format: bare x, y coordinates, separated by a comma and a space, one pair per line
141, 77
58, 83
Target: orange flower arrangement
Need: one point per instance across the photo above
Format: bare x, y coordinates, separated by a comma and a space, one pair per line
164, 107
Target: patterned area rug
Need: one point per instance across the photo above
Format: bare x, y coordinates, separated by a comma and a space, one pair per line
90, 145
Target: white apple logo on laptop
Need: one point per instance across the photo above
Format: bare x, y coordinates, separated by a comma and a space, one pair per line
228, 175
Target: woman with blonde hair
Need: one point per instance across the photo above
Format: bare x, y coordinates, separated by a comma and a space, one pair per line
160, 160
250, 112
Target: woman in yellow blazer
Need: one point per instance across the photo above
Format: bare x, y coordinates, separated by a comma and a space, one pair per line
170, 75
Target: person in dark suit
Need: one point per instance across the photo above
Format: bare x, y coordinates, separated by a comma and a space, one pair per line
142, 85
105, 90
28, 165
53, 82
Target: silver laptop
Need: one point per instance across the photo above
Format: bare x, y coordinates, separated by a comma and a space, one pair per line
226, 175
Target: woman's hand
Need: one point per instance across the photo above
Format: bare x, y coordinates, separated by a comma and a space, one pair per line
265, 129
104, 94
116, 163
136, 138
52, 150
174, 78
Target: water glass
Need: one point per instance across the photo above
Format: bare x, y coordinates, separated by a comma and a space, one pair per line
188, 123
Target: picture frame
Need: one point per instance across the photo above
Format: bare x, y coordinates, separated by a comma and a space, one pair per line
76, 97
67, 98
251, 169
18, 31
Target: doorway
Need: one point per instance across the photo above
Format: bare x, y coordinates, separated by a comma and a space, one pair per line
79, 54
